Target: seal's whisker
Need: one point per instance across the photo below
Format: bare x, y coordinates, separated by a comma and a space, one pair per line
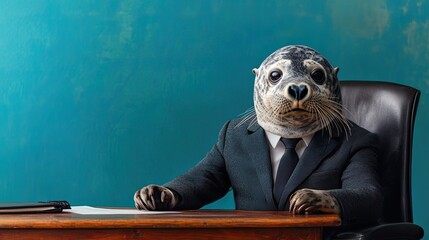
327, 120
323, 118
247, 112
340, 106
277, 111
338, 118
342, 118
246, 116
333, 118
253, 121
329, 113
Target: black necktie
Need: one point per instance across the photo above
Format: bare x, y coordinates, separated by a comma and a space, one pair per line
287, 165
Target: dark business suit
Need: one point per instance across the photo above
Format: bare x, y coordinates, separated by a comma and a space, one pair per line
346, 167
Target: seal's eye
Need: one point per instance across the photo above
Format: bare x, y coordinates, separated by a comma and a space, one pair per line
318, 76
275, 76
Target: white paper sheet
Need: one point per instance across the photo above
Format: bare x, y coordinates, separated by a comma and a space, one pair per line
86, 210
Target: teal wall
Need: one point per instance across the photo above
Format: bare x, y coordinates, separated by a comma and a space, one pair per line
99, 98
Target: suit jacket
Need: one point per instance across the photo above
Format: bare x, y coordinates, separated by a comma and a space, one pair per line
346, 166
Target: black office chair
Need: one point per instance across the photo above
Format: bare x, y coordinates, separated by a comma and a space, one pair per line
389, 110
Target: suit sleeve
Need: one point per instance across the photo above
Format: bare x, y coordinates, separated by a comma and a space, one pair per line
205, 182
360, 196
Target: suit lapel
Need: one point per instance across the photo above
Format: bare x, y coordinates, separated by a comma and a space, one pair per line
261, 160
319, 148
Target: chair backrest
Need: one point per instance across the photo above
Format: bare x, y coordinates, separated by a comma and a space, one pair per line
389, 110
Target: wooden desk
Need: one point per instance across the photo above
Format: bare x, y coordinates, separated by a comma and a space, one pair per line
202, 224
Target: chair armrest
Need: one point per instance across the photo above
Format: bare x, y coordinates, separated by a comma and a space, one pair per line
397, 231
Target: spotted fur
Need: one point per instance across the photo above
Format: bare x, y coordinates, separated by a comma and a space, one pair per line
306, 201
275, 110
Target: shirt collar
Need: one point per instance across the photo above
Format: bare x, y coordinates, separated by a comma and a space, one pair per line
275, 139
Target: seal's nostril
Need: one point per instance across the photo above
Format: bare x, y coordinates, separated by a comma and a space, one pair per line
298, 92
303, 92
293, 91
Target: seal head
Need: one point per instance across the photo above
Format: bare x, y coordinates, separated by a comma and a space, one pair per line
297, 93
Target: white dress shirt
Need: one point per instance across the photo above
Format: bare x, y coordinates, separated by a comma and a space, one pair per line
277, 149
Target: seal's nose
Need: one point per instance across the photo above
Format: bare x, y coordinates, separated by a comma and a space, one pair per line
297, 92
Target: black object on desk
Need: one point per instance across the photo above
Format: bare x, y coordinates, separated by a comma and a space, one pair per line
34, 207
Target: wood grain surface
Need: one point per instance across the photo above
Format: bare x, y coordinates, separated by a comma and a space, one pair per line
202, 224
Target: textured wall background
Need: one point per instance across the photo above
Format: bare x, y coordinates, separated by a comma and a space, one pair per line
99, 98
